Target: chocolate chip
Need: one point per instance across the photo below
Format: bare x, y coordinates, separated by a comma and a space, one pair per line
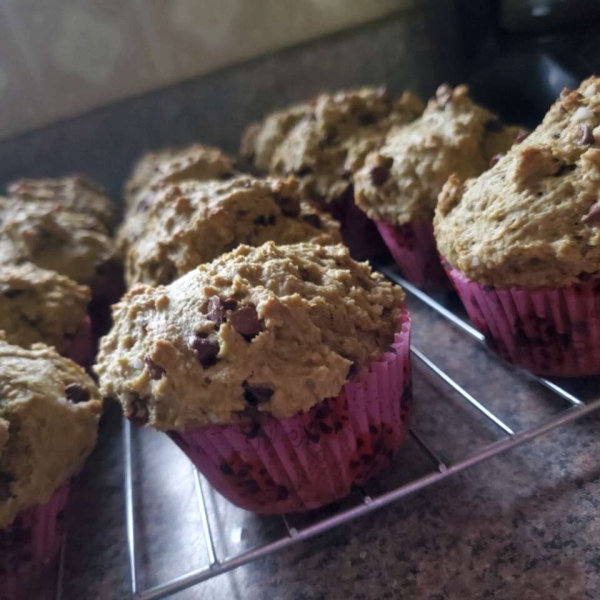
255, 394
494, 126
12, 293
245, 321
156, 371
5, 481
521, 136
137, 410
564, 169
290, 206
216, 310
380, 173
230, 304
206, 349
586, 137
443, 95
313, 220
593, 215
495, 159
76, 393
367, 119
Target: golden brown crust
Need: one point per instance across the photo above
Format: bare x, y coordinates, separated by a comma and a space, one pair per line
531, 219
37, 305
400, 182
75, 245
275, 328
75, 193
326, 140
49, 411
194, 222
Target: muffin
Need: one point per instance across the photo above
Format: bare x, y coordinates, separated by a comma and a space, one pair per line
399, 183
522, 242
323, 143
282, 371
193, 222
41, 306
156, 170
75, 193
49, 411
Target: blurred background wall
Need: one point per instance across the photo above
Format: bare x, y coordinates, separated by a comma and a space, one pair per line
87, 86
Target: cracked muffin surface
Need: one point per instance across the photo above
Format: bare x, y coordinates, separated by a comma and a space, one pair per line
75, 193
49, 411
37, 305
401, 181
323, 142
193, 222
75, 245
273, 328
534, 218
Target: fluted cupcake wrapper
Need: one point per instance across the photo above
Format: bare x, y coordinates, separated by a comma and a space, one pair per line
29, 550
81, 347
414, 249
314, 458
549, 331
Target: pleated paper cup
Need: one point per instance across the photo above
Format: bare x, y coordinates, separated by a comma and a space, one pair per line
313, 458
30, 548
547, 330
414, 249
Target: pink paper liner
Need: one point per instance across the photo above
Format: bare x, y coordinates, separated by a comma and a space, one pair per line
414, 249
29, 549
314, 458
81, 348
358, 231
549, 331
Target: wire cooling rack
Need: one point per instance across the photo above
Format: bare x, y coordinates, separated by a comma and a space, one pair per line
571, 407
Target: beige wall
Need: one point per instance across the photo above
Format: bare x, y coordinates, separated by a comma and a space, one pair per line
62, 57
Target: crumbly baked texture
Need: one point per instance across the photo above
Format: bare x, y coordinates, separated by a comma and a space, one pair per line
401, 181
49, 411
274, 328
75, 245
534, 218
325, 141
155, 170
194, 222
37, 305
75, 193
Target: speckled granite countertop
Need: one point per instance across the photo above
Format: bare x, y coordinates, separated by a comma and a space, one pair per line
524, 524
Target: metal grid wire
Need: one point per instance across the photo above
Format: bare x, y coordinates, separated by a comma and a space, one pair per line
575, 408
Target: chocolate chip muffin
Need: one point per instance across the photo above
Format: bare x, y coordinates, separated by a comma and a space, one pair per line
323, 143
193, 222
75, 193
399, 183
530, 226
49, 411
37, 305
254, 350
75, 245
155, 170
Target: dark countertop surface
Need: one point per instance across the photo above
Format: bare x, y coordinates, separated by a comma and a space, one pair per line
524, 524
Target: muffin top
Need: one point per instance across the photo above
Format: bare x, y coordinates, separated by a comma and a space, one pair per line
42, 233
534, 218
156, 170
37, 305
323, 142
274, 328
49, 411
194, 222
401, 181
75, 193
